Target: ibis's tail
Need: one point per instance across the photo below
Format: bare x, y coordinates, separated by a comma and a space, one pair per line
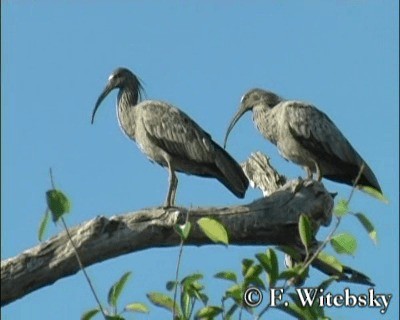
231, 173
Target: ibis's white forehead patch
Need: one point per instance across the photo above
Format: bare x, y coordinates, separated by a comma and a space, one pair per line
242, 98
111, 77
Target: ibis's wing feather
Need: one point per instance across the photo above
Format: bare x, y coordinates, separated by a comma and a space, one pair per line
318, 134
176, 133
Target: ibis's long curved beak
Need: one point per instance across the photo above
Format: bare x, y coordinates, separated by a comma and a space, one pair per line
242, 110
109, 87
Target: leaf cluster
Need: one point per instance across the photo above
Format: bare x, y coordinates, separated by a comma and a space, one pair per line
111, 311
262, 272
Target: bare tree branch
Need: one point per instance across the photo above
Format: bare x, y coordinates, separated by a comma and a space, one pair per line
267, 221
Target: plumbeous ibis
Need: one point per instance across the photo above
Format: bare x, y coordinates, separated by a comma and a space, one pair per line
305, 136
170, 138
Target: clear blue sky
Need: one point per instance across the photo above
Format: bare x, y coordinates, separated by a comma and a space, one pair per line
201, 56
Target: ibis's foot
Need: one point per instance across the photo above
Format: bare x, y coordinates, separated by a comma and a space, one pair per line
301, 182
167, 208
318, 172
168, 204
309, 175
170, 201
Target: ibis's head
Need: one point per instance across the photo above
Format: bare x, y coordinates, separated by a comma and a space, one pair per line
249, 100
122, 79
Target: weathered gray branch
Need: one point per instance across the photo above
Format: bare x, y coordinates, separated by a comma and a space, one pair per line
267, 221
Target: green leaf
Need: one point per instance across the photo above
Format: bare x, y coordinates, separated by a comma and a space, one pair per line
203, 297
116, 289
305, 231
226, 275
163, 301
341, 208
331, 261
311, 312
235, 292
367, 224
326, 283
209, 312
43, 224
194, 287
253, 271
317, 311
291, 272
300, 311
214, 230
183, 229
269, 262
115, 317
256, 282
246, 264
190, 279
231, 311
137, 307
252, 276
194, 290
344, 243
296, 311
90, 314
58, 203
185, 304
264, 260
375, 193
171, 285
295, 254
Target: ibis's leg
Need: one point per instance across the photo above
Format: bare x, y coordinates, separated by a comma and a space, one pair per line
318, 172
173, 182
169, 194
174, 187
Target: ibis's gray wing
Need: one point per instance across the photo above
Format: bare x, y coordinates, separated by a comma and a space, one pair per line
176, 133
319, 135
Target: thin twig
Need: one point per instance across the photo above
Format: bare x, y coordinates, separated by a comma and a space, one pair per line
51, 179
176, 277
306, 265
262, 312
77, 256
321, 247
355, 182
330, 235
223, 308
177, 270
83, 268
324, 243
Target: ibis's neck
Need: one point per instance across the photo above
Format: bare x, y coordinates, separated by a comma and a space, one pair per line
126, 102
128, 97
265, 121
